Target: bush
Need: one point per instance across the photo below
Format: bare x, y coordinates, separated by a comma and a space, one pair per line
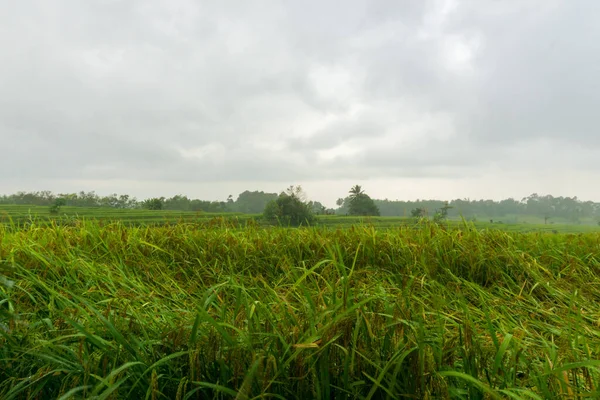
288, 209
363, 205
154, 203
58, 203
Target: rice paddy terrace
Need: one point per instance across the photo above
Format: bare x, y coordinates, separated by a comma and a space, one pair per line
20, 215
116, 311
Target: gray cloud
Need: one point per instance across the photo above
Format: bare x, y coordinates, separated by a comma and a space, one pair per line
279, 92
539, 76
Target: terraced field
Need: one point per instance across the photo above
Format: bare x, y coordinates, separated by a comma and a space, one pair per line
20, 214
23, 214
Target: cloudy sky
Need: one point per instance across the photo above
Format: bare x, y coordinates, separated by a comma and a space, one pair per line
412, 99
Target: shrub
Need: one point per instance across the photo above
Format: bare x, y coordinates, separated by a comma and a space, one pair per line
288, 209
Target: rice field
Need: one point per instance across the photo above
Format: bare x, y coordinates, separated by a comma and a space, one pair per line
25, 215
177, 312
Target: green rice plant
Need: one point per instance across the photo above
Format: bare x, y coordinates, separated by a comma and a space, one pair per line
224, 309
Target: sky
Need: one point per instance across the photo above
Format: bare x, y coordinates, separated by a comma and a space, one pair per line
410, 99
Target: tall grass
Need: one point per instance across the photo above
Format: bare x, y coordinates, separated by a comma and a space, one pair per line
177, 312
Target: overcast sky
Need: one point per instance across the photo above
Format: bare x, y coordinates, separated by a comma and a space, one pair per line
412, 99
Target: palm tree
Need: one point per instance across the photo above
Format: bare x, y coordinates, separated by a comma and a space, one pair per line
356, 192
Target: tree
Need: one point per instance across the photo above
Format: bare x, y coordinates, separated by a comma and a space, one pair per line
58, 203
442, 213
317, 208
297, 192
361, 203
289, 208
155, 203
418, 212
177, 202
355, 192
342, 206
252, 202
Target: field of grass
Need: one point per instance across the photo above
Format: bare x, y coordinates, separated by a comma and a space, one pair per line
177, 312
23, 215
18, 214
397, 222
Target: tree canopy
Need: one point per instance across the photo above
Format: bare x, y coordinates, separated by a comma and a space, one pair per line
359, 203
289, 208
154, 203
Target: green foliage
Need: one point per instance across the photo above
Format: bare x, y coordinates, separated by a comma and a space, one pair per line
180, 312
253, 202
418, 212
183, 203
363, 205
247, 203
317, 208
565, 209
360, 203
58, 203
289, 209
442, 214
6, 308
342, 204
22, 216
154, 203
532, 209
272, 211
81, 199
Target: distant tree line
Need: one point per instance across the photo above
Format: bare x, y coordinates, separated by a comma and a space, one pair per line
357, 202
81, 199
247, 202
547, 207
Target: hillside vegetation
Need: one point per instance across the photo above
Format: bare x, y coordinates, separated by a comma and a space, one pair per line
177, 312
